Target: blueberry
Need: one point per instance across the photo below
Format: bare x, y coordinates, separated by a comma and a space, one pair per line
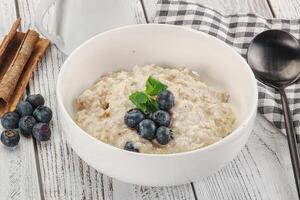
41, 132
133, 117
24, 108
164, 135
10, 120
10, 137
35, 100
165, 100
26, 124
129, 146
161, 118
147, 129
42, 114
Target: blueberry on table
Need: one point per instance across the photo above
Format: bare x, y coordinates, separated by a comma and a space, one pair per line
43, 114
10, 137
10, 120
24, 108
26, 124
41, 132
35, 100
161, 118
129, 146
147, 129
133, 117
165, 100
164, 135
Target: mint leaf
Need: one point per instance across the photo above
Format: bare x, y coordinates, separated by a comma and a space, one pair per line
152, 105
154, 87
142, 101
139, 99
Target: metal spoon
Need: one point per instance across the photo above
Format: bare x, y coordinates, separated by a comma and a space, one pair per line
274, 57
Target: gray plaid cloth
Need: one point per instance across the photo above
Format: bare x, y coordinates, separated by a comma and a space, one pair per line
237, 31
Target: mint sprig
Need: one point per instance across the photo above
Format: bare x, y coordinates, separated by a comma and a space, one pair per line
145, 101
154, 87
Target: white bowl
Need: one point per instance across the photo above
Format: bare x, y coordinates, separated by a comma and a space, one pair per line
217, 63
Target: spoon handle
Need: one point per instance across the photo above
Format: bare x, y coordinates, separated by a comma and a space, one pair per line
292, 140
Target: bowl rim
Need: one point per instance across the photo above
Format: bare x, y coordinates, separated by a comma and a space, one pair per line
235, 133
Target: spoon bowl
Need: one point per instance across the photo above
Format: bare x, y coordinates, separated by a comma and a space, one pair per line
274, 57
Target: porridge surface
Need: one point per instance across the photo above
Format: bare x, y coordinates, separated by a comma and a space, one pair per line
201, 115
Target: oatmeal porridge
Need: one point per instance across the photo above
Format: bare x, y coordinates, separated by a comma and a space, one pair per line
201, 115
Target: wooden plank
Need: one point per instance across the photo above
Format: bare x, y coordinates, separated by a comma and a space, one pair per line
289, 9
64, 174
18, 172
224, 6
126, 191
7, 16
262, 170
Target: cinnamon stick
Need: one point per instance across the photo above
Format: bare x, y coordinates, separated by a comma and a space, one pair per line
19, 56
13, 73
39, 51
4, 47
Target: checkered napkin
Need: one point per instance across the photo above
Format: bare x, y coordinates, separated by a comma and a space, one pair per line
237, 31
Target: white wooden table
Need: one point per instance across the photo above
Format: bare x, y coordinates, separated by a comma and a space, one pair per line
52, 170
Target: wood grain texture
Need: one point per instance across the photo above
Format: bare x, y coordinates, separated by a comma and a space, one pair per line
18, 172
124, 191
64, 174
262, 170
289, 9
259, 7
7, 16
